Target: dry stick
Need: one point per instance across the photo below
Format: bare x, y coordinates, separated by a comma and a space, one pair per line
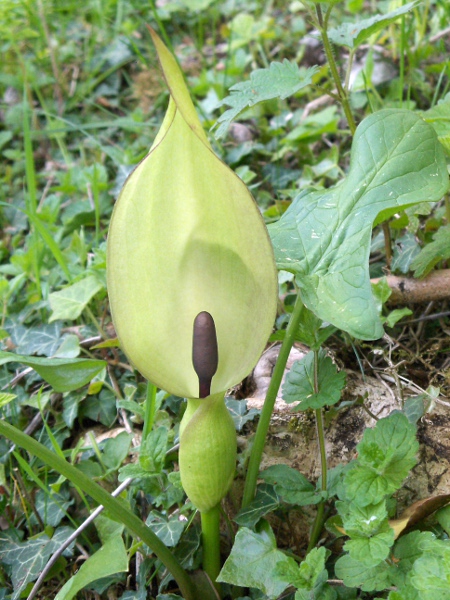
123, 486
406, 290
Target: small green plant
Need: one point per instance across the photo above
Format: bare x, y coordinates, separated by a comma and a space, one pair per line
192, 286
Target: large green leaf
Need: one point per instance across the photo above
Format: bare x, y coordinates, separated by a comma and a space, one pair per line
110, 559
63, 374
253, 562
324, 236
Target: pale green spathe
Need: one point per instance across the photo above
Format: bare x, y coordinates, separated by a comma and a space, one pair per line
185, 237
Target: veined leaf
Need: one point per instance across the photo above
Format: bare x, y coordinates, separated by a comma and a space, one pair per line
299, 383
324, 236
280, 80
63, 374
69, 303
353, 35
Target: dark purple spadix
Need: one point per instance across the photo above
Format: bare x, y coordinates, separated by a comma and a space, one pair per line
205, 356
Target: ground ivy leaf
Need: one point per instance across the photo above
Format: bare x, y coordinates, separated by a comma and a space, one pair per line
431, 573
354, 34
69, 303
253, 562
370, 551
168, 530
386, 454
299, 383
64, 375
279, 80
266, 500
324, 236
356, 574
362, 520
291, 485
432, 253
310, 573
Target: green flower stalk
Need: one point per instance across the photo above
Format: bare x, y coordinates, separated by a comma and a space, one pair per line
192, 284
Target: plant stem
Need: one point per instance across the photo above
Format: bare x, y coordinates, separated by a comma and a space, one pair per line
318, 522
269, 403
211, 543
149, 416
114, 506
343, 96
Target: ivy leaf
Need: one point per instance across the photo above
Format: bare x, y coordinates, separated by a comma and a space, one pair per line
168, 530
280, 80
353, 35
299, 383
239, 412
406, 249
432, 253
253, 562
266, 500
63, 374
324, 236
386, 454
69, 303
291, 485
44, 339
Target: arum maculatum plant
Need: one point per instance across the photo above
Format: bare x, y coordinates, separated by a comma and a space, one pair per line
193, 290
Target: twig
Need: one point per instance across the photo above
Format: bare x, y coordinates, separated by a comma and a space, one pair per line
123, 486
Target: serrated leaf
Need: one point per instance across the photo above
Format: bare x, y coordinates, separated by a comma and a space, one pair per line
311, 330
324, 236
386, 454
239, 412
69, 303
64, 375
280, 80
253, 561
110, 559
266, 500
310, 573
299, 383
291, 485
356, 574
432, 253
431, 573
153, 450
370, 551
353, 35
168, 530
